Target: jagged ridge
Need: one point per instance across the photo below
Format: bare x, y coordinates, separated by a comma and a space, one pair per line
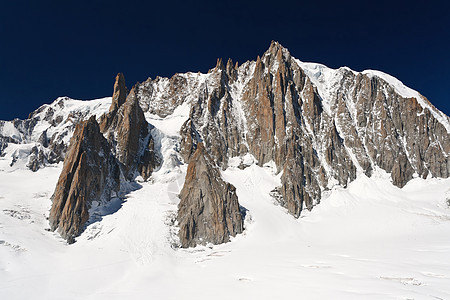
320, 128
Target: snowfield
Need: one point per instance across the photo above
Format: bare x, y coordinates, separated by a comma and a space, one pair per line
369, 241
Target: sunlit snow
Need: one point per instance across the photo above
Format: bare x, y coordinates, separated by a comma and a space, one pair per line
371, 240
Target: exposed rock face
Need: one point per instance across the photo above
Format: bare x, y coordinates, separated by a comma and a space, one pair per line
36, 159
215, 119
120, 92
94, 164
129, 133
276, 116
209, 209
90, 173
118, 98
287, 124
320, 126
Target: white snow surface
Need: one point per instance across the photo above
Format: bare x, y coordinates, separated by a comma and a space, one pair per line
171, 124
369, 241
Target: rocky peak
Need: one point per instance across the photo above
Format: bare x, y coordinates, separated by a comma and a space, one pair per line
219, 65
130, 133
278, 53
275, 46
209, 210
232, 70
229, 65
120, 92
118, 99
90, 173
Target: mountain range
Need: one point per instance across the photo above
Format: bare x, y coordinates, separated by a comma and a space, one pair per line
317, 129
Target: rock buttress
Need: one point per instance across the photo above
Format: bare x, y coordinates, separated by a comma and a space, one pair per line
129, 133
209, 209
90, 173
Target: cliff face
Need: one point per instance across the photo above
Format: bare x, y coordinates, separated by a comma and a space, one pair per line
119, 96
209, 209
90, 173
389, 130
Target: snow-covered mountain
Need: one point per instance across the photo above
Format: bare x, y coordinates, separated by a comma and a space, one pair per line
43, 138
183, 161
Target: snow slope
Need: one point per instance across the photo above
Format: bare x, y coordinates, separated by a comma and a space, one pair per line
371, 240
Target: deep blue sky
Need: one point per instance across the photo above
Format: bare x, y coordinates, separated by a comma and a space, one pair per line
63, 48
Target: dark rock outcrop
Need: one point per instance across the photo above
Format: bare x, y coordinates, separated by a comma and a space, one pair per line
209, 210
212, 120
94, 165
120, 92
119, 96
162, 96
4, 141
43, 139
129, 133
281, 120
90, 173
36, 159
